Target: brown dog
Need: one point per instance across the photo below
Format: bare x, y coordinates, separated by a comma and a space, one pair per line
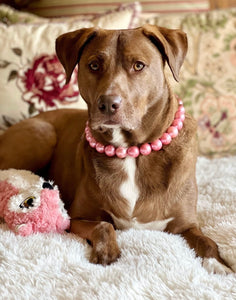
121, 78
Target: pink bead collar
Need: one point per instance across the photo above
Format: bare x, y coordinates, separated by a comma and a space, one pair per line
144, 149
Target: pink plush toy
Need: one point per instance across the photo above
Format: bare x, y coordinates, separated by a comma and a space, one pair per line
28, 204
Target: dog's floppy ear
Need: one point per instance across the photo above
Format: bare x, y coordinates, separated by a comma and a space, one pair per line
69, 47
172, 44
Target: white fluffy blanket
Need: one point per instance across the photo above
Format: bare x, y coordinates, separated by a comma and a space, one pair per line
153, 265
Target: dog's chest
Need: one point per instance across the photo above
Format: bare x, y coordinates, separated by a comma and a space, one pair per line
130, 191
128, 188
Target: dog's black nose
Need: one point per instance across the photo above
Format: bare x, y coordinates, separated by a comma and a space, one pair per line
109, 104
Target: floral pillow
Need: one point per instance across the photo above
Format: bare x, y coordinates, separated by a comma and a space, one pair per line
31, 77
208, 77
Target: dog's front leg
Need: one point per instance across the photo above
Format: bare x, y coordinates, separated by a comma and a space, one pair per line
102, 236
207, 249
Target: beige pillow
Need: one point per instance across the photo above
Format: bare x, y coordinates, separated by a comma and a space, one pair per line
208, 77
9, 15
31, 77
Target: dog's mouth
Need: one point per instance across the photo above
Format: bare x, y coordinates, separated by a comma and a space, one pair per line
111, 123
107, 126
121, 120
102, 123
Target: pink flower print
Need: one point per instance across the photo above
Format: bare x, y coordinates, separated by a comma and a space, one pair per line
43, 84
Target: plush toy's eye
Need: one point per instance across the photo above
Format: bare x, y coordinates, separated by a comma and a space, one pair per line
28, 202
47, 185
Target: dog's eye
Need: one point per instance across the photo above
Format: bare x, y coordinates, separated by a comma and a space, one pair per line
28, 202
94, 66
138, 66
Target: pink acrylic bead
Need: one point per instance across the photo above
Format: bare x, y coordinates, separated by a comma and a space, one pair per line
87, 130
110, 150
133, 151
88, 137
165, 139
180, 115
121, 152
145, 149
173, 131
100, 148
178, 124
181, 109
180, 102
92, 142
156, 145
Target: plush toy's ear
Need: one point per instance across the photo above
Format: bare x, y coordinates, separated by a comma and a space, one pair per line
69, 47
171, 43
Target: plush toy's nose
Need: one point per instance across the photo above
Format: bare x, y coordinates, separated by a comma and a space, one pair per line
47, 185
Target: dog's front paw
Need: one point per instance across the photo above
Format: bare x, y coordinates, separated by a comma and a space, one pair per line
214, 266
105, 248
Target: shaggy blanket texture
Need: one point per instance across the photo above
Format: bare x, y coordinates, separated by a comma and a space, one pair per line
153, 265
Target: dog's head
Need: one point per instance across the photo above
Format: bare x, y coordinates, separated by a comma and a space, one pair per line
121, 72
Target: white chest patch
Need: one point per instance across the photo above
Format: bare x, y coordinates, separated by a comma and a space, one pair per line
128, 189
117, 138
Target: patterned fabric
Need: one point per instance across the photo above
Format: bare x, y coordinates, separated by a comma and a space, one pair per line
208, 77
42, 84
31, 77
49, 8
9, 15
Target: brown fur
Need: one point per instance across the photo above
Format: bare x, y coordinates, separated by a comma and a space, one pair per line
89, 182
